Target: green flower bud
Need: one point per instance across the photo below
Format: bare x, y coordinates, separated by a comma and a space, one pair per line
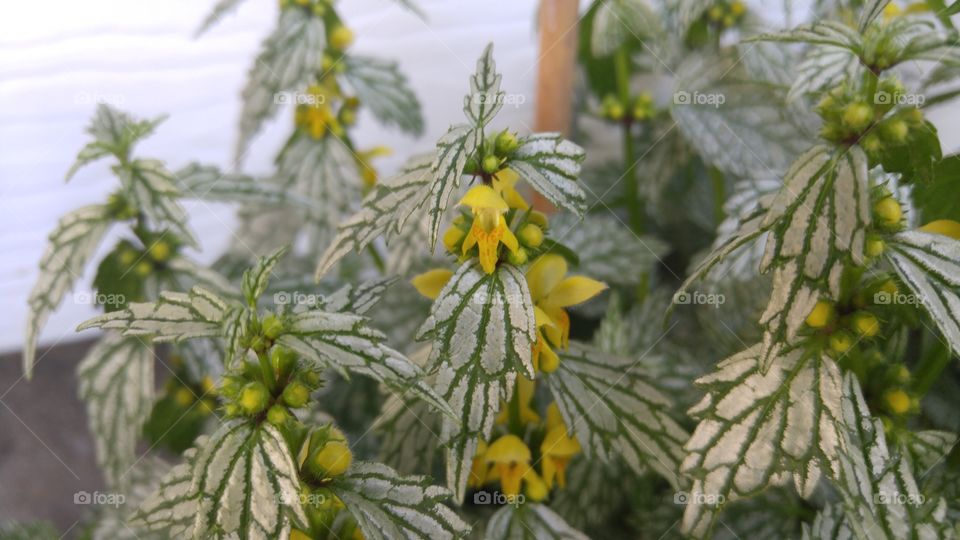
296, 394
253, 398
894, 130
272, 326
857, 116
506, 143
278, 415
491, 164
518, 258
530, 235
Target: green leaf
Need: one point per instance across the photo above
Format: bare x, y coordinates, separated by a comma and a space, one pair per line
357, 298
286, 61
187, 273
346, 343
112, 522
385, 90
817, 220
323, 172
220, 9
616, 412
823, 67
152, 190
870, 12
608, 250
72, 243
384, 212
531, 521
934, 199
28, 530
485, 98
551, 164
209, 183
619, 21
929, 264
410, 433
596, 493
453, 150
754, 427
917, 159
387, 505
256, 279
831, 33
114, 133
116, 384
483, 330
241, 481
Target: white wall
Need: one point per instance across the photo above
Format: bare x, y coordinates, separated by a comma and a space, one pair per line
57, 56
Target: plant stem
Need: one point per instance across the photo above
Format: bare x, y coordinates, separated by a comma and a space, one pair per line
634, 204
929, 369
267, 371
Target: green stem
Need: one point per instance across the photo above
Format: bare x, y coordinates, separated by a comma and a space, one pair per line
929, 369
267, 371
377, 259
634, 203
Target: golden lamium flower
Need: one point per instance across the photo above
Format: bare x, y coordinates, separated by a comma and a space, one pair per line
431, 282
525, 388
489, 228
503, 183
557, 449
510, 458
479, 468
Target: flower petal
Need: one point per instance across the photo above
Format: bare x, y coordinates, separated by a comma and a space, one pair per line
544, 274
484, 196
574, 290
430, 283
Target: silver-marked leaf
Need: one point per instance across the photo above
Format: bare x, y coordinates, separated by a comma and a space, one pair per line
220, 9
483, 330
410, 434
834, 33
531, 521
407, 249
153, 191
928, 449
870, 12
823, 67
384, 212
384, 89
881, 499
188, 273
114, 133
116, 384
323, 172
738, 125
287, 60
356, 298
607, 249
929, 264
209, 183
684, 13
388, 506
71, 245
256, 279
240, 482
817, 221
755, 428
346, 343
615, 411
618, 21
113, 522
453, 150
173, 317
551, 165
485, 98
596, 492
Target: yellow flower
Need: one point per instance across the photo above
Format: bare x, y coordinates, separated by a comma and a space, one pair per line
525, 388
479, 469
946, 227
557, 449
551, 292
503, 183
536, 489
489, 228
511, 460
367, 172
430, 283
554, 418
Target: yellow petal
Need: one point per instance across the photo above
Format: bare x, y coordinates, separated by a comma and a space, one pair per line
536, 489
507, 449
574, 290
488, 244
483, 196
549, 361
544, 274
542, 318
558, 443
549, 469
514, 199
554, 418
505, 178
946, 227
509, 239
431, 283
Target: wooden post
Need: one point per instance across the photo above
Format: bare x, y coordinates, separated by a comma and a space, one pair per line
555, 71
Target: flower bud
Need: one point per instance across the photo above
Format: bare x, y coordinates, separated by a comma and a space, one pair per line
282, 359
254, 398
452, 238
518, 257
143, 268
897, 401
530, 235
865, 324
821, 315
278, 415
506, 143
888, 211
840, 341
296, 394
857, 116
341, 37
894, 130
874, 247
160, 251
490, 164
332, 460
272, 326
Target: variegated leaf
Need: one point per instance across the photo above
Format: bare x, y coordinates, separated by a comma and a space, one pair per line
240, 482
823, 67
346, 343
531, 521
188, 273
615, 411
220, 9
114, 133
551, 164
929, 264
596, 493
755, 427
608, 250
173, 317
384, 89
485, 98
407, 249
871, 10
256, 279
817, 221
483, 330
927, 449
385, 211
209, 183
113, 522
153, 191
741, 127
618, 21
356, 298
410, 434
684, 13
881, 499
453, 150
287, 60
323, 172
71, 245
833, 33
116, 384
388, 506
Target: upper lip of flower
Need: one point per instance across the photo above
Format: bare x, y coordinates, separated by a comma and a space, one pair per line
489, 229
